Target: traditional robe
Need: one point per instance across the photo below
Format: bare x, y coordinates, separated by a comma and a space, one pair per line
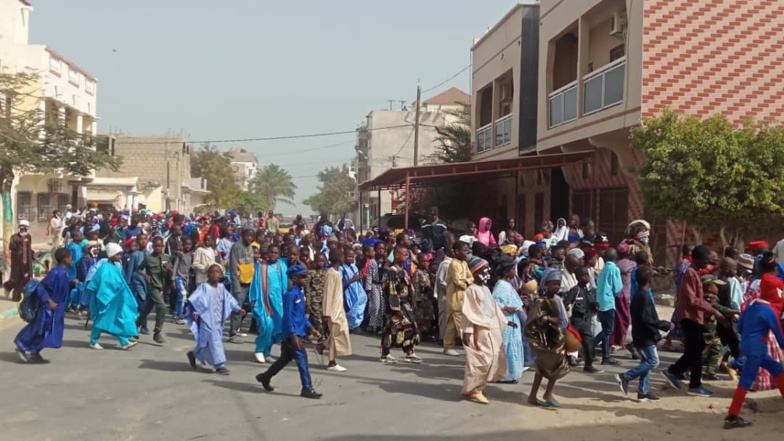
113, 306
21, 264
505, 295
339, 341
355, 298
214, 306
485, 358
135, 280
547, 340
266, 294
46, 329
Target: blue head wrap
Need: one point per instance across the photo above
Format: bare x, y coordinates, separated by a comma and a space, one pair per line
297, 270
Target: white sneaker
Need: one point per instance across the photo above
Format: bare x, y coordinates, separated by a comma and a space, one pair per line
413, 358
96, 346
22, 355
337, 368
260, 358
451, 352
388, 359
242, 334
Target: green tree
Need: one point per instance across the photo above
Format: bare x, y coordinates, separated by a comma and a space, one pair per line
712, 174
273, 184
215, 166
454, 139
31, 144
248, 203
334, 193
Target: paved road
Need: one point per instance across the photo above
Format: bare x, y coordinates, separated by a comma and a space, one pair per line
150, 393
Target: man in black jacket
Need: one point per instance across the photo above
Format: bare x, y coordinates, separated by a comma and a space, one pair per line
645, 334
582, 302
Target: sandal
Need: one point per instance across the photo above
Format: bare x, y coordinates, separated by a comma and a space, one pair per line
552, 402
540, 403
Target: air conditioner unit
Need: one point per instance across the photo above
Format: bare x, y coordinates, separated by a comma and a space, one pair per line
619, 23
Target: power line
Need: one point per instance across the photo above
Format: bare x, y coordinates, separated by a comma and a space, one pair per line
270, 138
447, 80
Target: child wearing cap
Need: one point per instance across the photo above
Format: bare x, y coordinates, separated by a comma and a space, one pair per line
295, 326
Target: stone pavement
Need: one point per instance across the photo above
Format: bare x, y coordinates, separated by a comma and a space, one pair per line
151, 393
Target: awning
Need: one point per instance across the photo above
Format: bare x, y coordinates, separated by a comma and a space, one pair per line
433, 174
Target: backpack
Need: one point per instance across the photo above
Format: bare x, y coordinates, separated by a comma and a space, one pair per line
28, 305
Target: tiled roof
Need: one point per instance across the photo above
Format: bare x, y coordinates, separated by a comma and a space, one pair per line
449, 97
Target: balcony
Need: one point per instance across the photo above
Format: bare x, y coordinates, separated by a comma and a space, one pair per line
563, 105
603, 88
503, 131
484, 138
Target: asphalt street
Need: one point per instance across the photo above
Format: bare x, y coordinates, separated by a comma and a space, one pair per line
151, 393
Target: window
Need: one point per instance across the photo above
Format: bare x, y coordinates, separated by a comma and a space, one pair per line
44, 208
73, 76
617, 52
581, 203
614, 166
24, 200
585, 170
614, 212
55, 65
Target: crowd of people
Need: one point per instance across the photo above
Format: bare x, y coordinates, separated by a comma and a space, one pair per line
510, 304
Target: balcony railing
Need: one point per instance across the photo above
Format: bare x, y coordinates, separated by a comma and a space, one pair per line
563, 104
484, 138
603, 88
503, 131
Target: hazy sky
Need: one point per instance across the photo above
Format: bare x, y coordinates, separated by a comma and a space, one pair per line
229, 69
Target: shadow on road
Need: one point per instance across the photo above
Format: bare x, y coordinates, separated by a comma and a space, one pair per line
169, 366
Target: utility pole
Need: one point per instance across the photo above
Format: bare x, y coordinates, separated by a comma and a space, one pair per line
416, 125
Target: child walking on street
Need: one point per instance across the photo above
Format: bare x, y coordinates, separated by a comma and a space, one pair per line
645, 335
295, 326
46, 329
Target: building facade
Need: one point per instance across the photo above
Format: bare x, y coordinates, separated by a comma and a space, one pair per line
602, 66
387, 141
66, 93
245, 165
157, 162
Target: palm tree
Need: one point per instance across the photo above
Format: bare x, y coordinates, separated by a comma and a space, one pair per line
273, 184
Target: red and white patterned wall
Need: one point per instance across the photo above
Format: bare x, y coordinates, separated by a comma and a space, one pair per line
714, 56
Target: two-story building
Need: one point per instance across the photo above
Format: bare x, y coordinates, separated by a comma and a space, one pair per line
66, 94
602, 66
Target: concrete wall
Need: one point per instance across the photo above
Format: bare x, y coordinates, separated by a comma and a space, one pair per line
395, 147
166, 161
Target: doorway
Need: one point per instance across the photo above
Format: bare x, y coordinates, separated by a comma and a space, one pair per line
559, 194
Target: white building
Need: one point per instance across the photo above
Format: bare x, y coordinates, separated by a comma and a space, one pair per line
245, 165
387, 141
67, 94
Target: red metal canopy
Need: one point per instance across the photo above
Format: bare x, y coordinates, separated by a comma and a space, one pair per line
427, 174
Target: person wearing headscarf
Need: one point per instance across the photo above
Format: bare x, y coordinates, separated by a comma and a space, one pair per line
485, 235
561, 231
512, 306
759, 324
638, 235
544, 331
482, 330
113, 306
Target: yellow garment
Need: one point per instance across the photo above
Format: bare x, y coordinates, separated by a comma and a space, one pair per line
485, 356
246, 272
339, 341
457, 280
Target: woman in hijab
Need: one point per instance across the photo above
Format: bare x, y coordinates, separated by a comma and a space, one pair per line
510, 303
544, 331
561, 231
484, 235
